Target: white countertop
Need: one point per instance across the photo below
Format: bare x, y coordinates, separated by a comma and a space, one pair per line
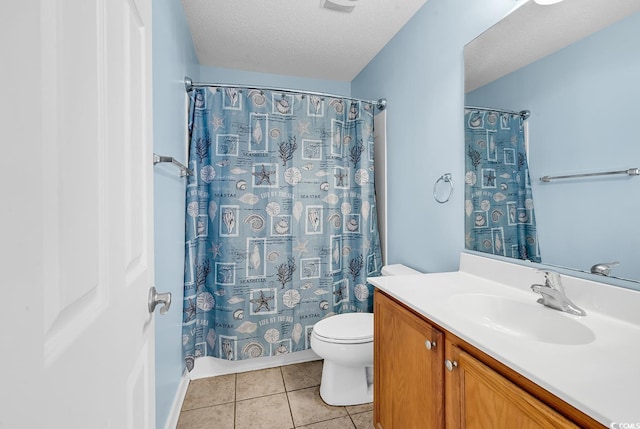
600, 377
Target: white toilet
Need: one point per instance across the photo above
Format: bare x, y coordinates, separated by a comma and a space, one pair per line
345, 342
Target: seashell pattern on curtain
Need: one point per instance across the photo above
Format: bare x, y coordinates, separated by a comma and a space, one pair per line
499, 214
281, 226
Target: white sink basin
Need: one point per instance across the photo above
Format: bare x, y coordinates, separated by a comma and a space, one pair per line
527, 320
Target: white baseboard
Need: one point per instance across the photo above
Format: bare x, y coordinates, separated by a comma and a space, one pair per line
178, 400
209, 367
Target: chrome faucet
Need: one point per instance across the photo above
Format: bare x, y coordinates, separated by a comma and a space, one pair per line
603, 268
554, 296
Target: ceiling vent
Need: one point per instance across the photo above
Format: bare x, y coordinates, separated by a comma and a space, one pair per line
345, 6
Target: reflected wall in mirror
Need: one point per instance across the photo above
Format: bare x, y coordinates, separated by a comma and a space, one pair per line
585, 104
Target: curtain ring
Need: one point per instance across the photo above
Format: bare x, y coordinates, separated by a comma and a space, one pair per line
447, 179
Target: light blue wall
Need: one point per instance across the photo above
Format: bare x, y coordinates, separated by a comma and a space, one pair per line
584, 107
420, 72
173, 58
230, 76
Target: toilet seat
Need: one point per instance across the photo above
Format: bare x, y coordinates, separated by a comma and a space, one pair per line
346, 328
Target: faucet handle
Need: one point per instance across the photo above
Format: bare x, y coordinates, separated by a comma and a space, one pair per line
555, 279
552, 279
603, 268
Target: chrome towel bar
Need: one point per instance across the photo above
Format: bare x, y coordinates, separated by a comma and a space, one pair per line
629, 172
184, 171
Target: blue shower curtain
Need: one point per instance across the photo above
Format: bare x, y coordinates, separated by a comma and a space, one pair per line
281, 219
500, 218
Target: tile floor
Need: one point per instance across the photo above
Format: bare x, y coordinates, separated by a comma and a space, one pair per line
286, 397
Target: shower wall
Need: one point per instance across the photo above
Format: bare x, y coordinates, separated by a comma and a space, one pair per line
380, 158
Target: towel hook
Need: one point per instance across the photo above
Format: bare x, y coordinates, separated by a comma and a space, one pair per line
446, 178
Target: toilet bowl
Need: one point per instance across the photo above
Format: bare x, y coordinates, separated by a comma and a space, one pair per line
345, 342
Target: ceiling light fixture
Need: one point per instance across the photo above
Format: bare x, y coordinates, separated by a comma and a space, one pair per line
345, 6
547, 2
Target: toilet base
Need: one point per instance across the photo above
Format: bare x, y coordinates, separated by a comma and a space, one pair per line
346, 385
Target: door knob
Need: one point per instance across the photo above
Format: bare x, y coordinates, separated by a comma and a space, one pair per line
430, 344
156, 298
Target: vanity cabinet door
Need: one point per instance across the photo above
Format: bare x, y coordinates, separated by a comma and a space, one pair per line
408, 370
478, 397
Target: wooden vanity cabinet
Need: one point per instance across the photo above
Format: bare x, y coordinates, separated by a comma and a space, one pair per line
408, 370
414, 388
479, 397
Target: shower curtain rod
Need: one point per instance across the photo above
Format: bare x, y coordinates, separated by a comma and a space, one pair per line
189, 84
523, 113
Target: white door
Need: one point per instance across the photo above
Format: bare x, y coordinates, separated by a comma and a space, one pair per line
76, 214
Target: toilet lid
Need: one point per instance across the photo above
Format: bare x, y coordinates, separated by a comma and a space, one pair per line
346, 328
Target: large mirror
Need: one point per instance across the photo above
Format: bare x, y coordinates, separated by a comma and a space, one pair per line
575, 66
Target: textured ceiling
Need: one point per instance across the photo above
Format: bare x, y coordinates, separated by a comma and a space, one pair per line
294, 37
533, 31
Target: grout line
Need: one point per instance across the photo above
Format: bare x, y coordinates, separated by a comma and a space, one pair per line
303, 388
286, 392
207, 406
327, 420
352, 422
235, 400
259, 397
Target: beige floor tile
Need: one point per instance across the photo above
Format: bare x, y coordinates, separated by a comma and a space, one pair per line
307, 407
210, 391
363, 420
218, 416
258, 383
340, 423
302, 375
357, 409
266, 412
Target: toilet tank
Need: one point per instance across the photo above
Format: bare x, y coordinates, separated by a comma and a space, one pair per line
397, 270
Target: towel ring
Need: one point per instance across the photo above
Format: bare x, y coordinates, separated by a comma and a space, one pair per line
446, 178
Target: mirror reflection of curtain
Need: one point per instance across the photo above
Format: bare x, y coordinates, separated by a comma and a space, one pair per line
499, 210
281, 225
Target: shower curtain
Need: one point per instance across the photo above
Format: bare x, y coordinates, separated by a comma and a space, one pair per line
281, 226
499, 210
